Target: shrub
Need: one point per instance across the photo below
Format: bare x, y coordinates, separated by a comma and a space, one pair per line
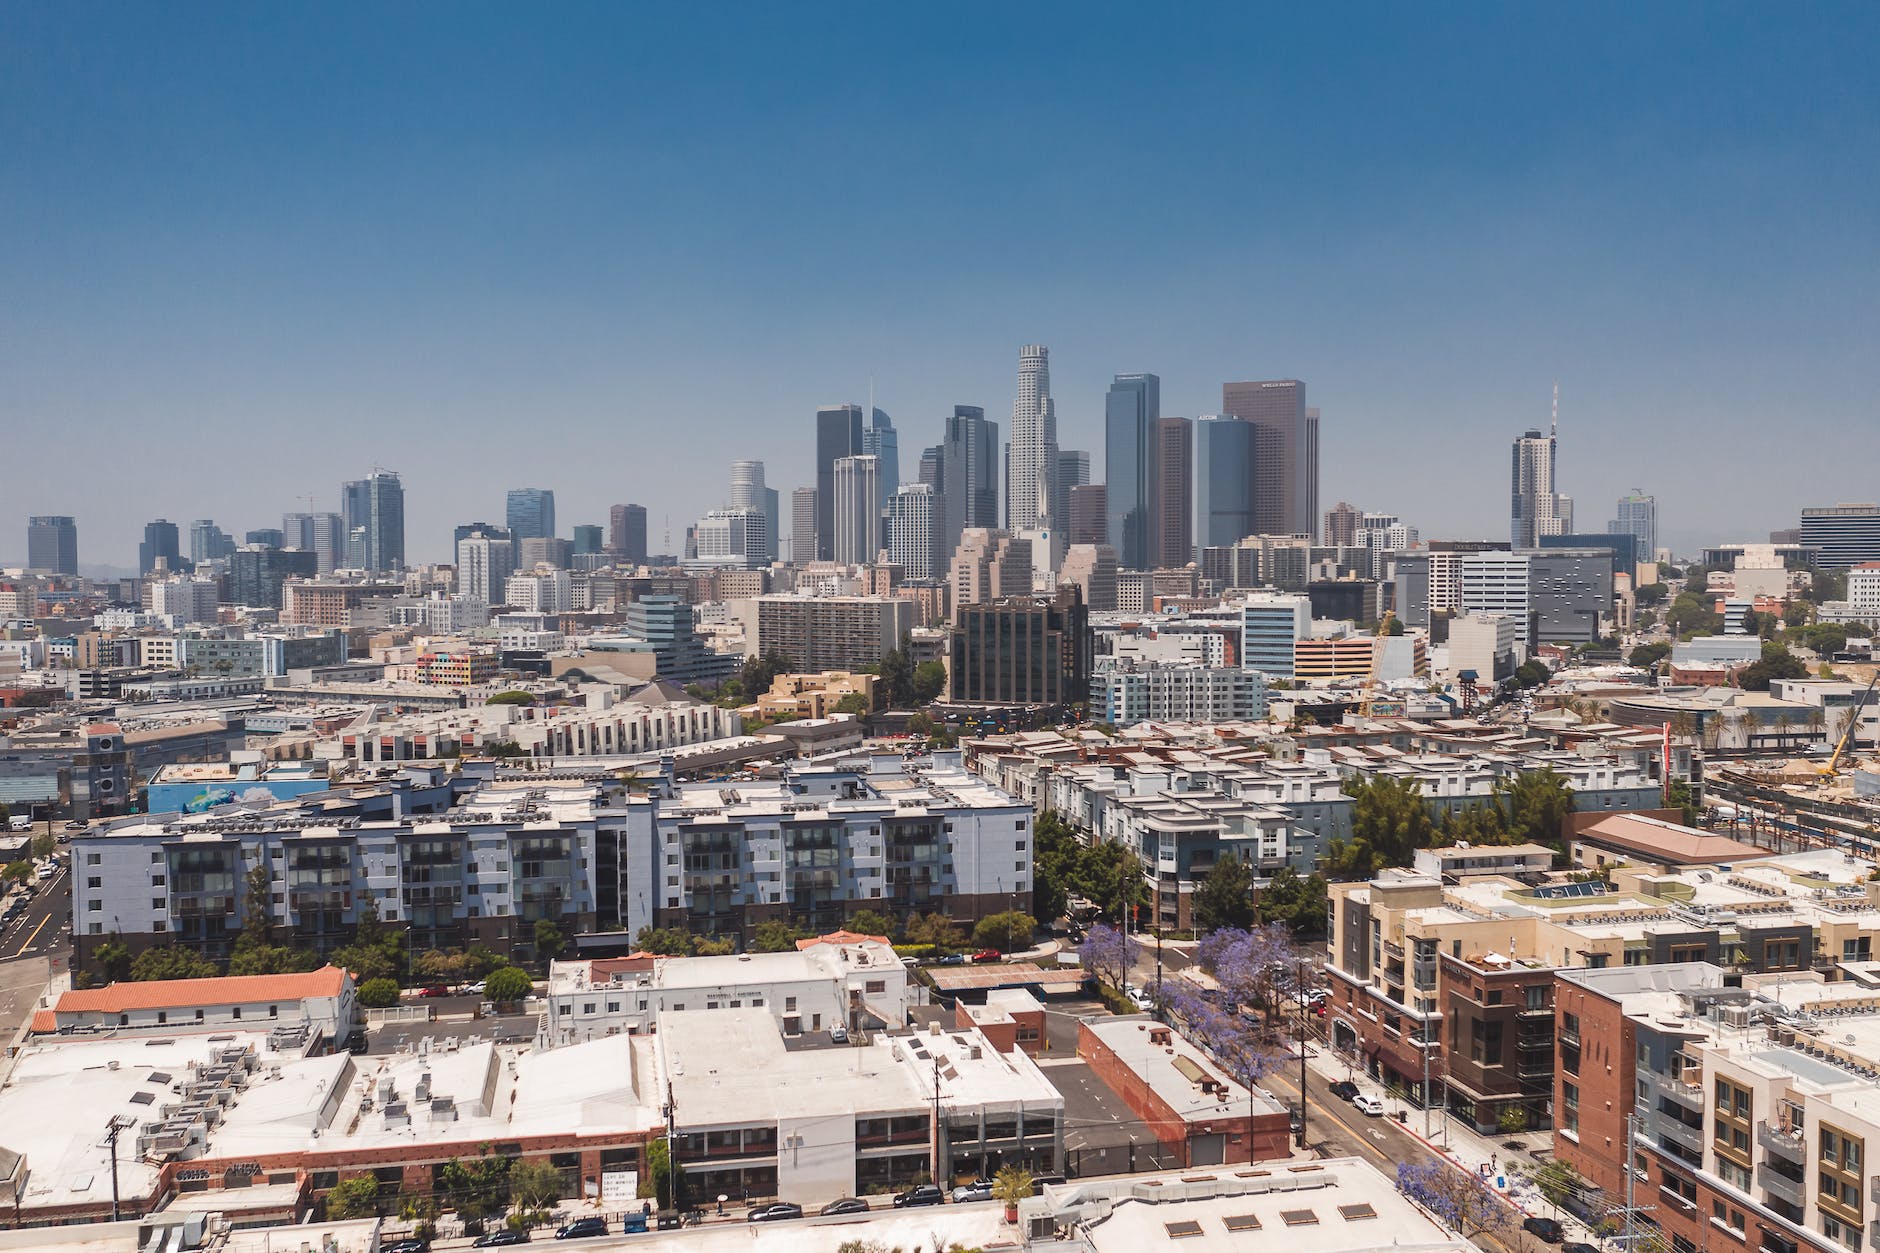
508, 984
378, 993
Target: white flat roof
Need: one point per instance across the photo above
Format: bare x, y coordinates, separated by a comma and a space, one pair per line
1128, 1038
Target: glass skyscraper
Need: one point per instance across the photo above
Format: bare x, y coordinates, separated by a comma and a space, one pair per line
531, 513
1135, 401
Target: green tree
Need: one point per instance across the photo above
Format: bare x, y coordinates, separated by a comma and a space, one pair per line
508, 985
1394, 627
18, 871
658, 1184
511, 698
378, 993
1109, 875
1645, 656
775, 937
1056, 851
476, 1188
549, 940
873, 922
1691, 614
113, 959
535, 1185
1651, 594
43, 843
1536, 803
357, 1197
935, 929
1777, 662
921, 724
1531, 673
897, 676
1299, 903
172, 962
853, 703
1389, 822
715, 946
1008, 932
1224, 898
665, 941
930, 679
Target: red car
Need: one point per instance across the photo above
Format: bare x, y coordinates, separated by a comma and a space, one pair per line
988, 955
434, 990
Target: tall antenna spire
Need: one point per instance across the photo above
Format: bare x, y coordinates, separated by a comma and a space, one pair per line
1554, 429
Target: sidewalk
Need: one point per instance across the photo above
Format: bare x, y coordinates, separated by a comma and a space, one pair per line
1460, 1143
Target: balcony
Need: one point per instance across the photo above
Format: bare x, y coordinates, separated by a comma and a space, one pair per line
1689, 1095
1778, 1184
1785, 1144
1873, 1189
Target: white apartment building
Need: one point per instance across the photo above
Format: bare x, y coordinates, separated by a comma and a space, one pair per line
738, 538
544, 590
852, 981
1271, 624
182, 602
484, 566
1486, 643
1125, 691
1495, 582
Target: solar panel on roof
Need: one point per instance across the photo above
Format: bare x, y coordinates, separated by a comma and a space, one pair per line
159, 1077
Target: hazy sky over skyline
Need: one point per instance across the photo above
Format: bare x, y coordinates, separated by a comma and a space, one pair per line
247, 252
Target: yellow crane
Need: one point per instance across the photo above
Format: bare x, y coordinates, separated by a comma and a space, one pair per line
1368, 694
1847, 732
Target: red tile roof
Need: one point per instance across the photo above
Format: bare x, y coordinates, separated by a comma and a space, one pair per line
1667, 843
45, 1022
186, 993
840, 937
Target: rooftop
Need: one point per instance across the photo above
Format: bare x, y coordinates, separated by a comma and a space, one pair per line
120, 998
1176, 1071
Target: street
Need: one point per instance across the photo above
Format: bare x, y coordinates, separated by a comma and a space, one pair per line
44, 927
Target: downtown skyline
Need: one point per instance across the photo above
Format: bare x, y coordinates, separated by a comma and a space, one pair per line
266, 283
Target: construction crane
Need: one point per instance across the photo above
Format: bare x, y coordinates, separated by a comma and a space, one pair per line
1847, 732
1367, 696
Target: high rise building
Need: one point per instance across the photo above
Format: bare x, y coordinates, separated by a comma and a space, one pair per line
208, 542
267, 537
1172, 492
1134, 401
838, 435
161, 542
258, 572
749, 492
969, 473
932, 463
1270, 625
355, 505
1089, 521
1073, 471
1224, 479
1021, 651
1536, 508
738, 538
52, 544
989, 564
1847, 535
1569, 593
484, 563
1286, 491
544, 550
1342, 521
1638, 517
626, 533
589, 540
914, 532
880, 441
531, 512
1091, 568
856, 510
803, 525
322, 534
385, 527
1031, 458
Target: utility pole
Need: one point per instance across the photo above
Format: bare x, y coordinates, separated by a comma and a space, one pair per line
936, 1120
1426, 1074
1631, 1181
672, 1160
1299, 979
118, 1124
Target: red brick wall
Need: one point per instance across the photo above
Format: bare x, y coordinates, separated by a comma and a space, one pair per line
1607, 1082
1263, 1136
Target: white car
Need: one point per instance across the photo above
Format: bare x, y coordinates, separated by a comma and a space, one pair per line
1365, 1103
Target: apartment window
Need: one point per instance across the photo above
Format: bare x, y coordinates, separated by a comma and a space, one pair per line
94, 882
94, 859
156, 903
94, 906
274, 1011
1570, 1107
96, 928
1537, 997
613, 1007
162, 1017
156, 858
789, 1004
156, 880
238, 1011
875, 987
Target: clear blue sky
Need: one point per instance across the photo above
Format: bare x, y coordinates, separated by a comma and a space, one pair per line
247, 251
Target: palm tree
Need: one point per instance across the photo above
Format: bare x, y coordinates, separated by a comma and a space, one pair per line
1011, 1185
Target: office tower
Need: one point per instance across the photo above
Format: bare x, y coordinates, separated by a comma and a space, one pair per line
838, 435
1073, 471
541, 590
880, 441
735, 538
989, 564
531, 512
161, 542
52, 544
355, 505
749, 492
489, 530
1638, 517
626, 533
588, 540
1285, 496
1342, 521
1171, 492
1091, 568
258, 571
385, 527
1311, 484
1089, 517
484, 564
267, 537
1846, 535
322, 534
358, 549
1023, 651
932, 467
1569, 593
664, 626
1224, 479
969, 473
914, 532
1269, 627
1496, 582
1536, 509
1031, 459
803, 525
1134, 401
549, 550
208, 542
856, 510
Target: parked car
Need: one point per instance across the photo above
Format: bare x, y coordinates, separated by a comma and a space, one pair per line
1578, 1248
436, 989
497, 1239
920, 1194
838, 1034
775, 1212
476, 989
988, 955
581, 1228
951, 959
966, 1194
1040, 1182
1545, 1229
406, 1246
847, 1205
1367, 1104
1345, 1090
